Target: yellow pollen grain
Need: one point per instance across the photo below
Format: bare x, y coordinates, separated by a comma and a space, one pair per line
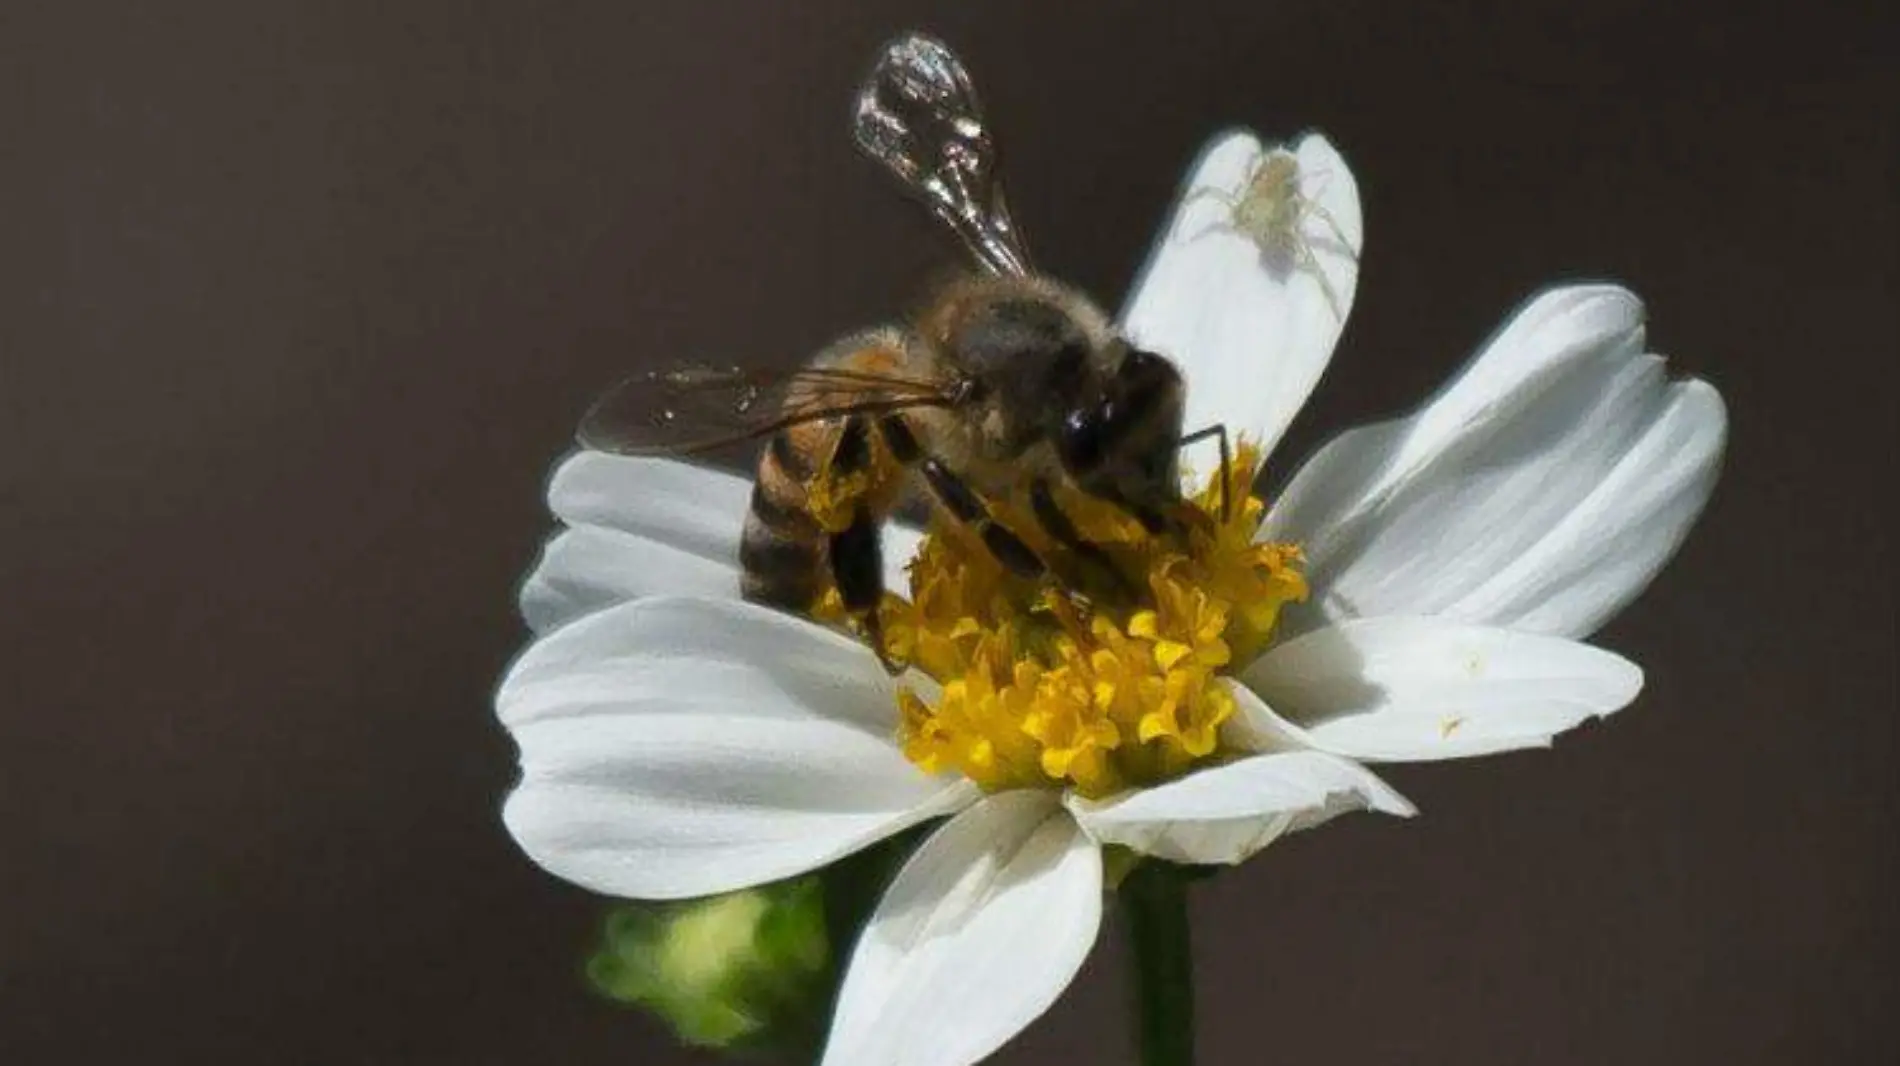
833, 500
1041, 691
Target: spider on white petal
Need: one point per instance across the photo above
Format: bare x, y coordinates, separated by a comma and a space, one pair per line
1271, 210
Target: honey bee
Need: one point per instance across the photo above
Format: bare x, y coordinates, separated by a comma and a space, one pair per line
1006, 382
1271, 211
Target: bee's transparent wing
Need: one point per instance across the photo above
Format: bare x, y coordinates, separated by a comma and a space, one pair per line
694, 408
917, 113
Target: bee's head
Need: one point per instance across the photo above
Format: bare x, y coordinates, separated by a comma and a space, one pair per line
1028, 350
1043, 364
1120, 438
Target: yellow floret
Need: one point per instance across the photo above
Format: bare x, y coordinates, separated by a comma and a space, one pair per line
1039, 690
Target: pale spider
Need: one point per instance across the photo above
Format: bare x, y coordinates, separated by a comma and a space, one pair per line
1271, 210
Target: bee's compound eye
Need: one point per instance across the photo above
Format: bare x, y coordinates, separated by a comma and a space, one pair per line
1142, 368
1081, 440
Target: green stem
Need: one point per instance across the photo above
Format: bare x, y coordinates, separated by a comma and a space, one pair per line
1154, 901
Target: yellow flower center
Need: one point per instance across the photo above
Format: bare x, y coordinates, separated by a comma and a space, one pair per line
1100, 691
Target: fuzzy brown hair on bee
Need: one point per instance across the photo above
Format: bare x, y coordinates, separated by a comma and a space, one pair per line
1004, 384
1037, 390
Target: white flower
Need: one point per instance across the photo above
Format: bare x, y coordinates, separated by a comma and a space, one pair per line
676, 741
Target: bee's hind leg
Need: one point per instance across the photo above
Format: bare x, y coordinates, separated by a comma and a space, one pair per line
1219, 432
857, 566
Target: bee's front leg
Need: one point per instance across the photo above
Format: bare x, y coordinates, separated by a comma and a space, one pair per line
963, 504
1049, 516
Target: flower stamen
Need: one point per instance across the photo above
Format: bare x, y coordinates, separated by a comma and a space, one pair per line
1042, 690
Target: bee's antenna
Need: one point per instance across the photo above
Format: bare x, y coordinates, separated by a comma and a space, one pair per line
917, 113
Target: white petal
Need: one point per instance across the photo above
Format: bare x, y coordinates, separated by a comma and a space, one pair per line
1225, 814
589, 568
674, 748
1427, 688
1594, 560
691, 507
1252, 330
1541, 490
650, 527
980, 932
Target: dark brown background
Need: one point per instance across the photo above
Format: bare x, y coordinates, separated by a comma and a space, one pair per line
299, 302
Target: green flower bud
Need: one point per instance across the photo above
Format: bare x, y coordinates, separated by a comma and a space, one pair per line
753, 971
744, 971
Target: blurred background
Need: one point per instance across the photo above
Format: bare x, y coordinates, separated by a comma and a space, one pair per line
299, 303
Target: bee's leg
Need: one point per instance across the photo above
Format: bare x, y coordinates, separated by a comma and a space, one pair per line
857, 565
967, 507
852, 452
1053, 522
899, 439
1217, 430
857, 553
963, 504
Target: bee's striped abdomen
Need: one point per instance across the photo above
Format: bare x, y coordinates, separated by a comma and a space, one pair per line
781, 552
824, 485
